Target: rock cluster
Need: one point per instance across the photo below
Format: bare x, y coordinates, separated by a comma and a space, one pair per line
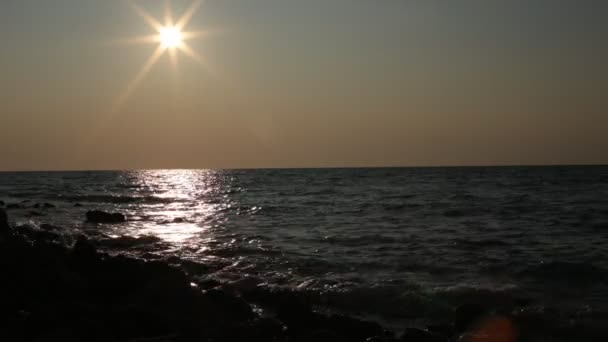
52, 292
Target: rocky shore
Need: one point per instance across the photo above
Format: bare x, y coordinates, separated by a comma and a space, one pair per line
53, 291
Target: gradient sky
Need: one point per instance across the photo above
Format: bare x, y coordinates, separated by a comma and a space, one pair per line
307, 83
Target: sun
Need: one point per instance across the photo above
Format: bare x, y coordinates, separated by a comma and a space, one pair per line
170, 37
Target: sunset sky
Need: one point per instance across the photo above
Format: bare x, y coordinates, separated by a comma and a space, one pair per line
305, 84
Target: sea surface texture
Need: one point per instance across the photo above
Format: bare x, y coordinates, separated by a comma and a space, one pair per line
394, 244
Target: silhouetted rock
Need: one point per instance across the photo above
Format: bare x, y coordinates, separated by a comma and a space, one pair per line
4, 227
351, 328
76, 205
124, 242
83, 250
48, 205
466, 315
2, 203
227, 307
419, 335
97, 216
50, 227
13, 206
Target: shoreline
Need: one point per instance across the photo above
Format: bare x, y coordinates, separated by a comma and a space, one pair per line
56, 291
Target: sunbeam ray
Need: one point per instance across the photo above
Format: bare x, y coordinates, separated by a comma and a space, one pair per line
149, 39
138, 78
168, 13
185, 19
145, 15
173, 58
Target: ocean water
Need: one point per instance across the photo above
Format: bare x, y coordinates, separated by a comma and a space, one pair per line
395, 244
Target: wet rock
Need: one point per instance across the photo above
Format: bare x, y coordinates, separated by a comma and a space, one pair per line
194, 268
97, 216
207, 284
124, 242
35, 234
50, 227
419, 335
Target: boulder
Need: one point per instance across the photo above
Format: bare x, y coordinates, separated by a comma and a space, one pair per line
97, 216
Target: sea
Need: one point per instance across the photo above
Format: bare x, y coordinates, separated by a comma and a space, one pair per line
396, 245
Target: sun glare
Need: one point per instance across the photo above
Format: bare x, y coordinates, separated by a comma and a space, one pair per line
170, 37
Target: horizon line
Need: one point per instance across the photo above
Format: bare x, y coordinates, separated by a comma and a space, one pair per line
463, 166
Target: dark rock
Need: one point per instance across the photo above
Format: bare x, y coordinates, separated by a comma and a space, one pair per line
26, 201
124, 242
227, 307
84, 251
351, 328
77, 205
4, 226
97, 216
179, 220
2, 203
192, 267
208, 284
13, 206
48, 205
266, 329
33, 213
50, 227
419, 335
444, 329
381, 339
34, 234
296, 314
466, 315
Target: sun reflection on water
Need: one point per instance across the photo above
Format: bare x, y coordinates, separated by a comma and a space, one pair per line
189, 210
